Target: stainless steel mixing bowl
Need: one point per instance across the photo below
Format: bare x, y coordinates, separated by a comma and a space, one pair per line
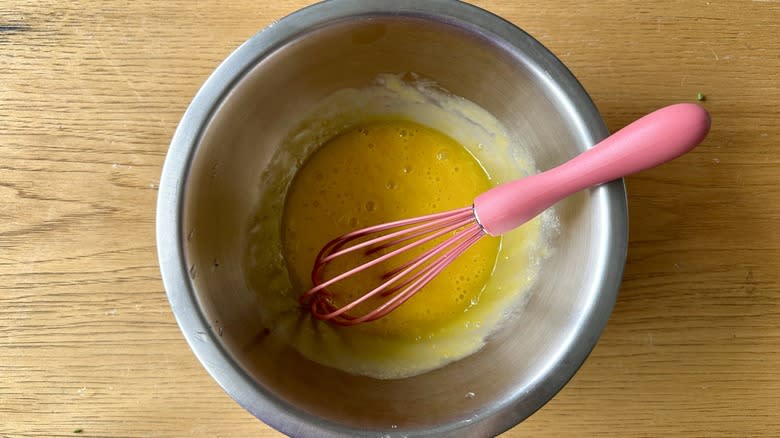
209, 187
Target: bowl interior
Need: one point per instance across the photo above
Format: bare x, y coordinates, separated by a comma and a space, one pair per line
529, 358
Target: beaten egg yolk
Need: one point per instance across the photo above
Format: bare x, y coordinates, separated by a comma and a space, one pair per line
381, 172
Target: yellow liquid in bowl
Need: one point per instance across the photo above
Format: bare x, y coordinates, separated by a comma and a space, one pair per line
382, 172
386, 168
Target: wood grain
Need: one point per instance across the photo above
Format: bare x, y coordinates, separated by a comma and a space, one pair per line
91, 92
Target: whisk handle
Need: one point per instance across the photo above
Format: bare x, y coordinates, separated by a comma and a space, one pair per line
654, 139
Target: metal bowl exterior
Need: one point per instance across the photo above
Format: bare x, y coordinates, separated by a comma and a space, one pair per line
227, 135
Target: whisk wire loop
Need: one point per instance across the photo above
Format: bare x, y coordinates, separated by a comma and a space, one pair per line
405, 280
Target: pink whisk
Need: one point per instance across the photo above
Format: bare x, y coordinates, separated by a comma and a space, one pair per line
654, 139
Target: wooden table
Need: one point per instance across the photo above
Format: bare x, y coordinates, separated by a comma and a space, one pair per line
91, 92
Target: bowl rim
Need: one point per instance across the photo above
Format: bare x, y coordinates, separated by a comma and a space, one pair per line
171, 240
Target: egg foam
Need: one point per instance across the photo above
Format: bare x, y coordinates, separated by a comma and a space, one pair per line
400, 148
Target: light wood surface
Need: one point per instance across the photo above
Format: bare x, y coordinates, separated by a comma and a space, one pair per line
91, 92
